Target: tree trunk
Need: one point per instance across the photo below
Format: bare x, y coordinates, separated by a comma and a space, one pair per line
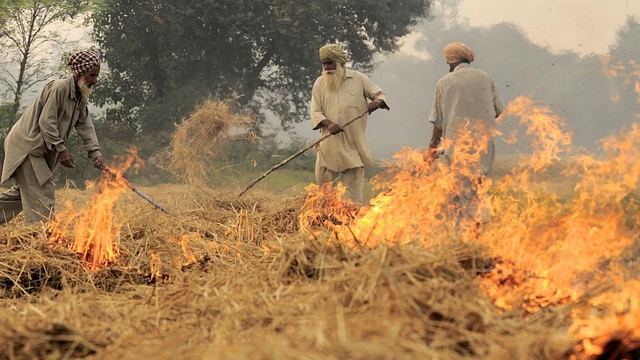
23, 66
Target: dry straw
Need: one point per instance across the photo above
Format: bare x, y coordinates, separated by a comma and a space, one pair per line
232, 279
254, 278
198, 141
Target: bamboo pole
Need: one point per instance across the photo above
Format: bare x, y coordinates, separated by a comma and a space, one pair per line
325, 136
107, 170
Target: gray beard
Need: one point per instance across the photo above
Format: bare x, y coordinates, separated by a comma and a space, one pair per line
85, 90
332, 79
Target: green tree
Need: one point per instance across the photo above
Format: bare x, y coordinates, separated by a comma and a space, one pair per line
5, 118
28, 33
164, 56
626, 55
3, 13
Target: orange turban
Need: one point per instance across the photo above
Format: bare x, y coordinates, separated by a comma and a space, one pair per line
457, 51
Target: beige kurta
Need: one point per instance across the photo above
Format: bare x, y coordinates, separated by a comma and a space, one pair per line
348, 149
466, 94
43, 129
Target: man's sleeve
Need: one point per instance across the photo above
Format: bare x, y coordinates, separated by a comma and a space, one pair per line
317, 115
436, 116
48, 120
497, 101
87, 133
373, 91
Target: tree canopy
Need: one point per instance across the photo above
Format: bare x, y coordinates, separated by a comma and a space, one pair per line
164, 56
27, 36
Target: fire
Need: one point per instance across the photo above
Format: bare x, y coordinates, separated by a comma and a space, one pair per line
617, 321
93, 233
629, 71
155, 266
417, 206
185, 241
546, 249
333, 210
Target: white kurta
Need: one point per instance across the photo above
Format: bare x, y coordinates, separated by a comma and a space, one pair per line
466, 94
348, 149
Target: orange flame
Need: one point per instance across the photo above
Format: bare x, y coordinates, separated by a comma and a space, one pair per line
155, 266
417, 206
185, 242
546, 249
629, 71
93, 232
326, 207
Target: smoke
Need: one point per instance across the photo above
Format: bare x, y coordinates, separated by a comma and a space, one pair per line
573, 86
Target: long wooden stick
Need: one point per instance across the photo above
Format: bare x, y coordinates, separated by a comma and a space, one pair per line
298, 153
107, 170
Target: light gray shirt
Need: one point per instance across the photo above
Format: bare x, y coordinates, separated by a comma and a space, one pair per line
466, 95
44, 128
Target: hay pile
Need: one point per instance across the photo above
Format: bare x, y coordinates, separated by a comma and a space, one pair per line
198, 141
277, 277
235, 279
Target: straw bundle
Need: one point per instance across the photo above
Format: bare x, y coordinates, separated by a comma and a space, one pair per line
198, 141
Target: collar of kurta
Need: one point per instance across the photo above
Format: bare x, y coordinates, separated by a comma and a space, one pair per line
461, 66
72, 89
348, 73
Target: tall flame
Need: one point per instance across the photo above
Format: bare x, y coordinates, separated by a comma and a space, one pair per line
547, 249
93, 232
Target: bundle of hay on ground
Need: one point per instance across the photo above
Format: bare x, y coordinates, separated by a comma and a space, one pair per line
199, 140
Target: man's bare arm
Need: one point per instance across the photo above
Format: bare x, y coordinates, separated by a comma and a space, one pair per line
432, 153
435, 137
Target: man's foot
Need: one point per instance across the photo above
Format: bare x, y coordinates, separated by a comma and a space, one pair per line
11, 194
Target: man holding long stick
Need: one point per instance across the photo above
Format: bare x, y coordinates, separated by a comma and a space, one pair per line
339, 95
37, 141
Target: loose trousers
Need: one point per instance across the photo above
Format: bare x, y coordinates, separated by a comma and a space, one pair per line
352, 179
36, 201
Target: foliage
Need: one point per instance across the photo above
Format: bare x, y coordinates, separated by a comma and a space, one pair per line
6, 120
262, 53
27, 36
5, 124
623, 58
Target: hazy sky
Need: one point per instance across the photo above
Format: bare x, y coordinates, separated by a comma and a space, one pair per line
583, 26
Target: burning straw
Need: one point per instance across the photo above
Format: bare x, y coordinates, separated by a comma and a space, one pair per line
548, 278
94, 232
198, 142
545, 252
233, 278
284, 296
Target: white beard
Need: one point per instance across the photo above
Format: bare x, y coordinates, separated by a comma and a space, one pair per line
85, 90
333, 79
